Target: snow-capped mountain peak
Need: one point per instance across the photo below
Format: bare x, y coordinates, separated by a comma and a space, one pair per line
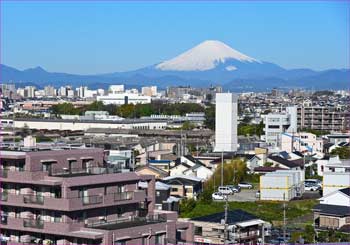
204, 56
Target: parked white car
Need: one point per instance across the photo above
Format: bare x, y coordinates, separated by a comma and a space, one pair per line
245, 185
225, 190
314, 182
235, 188
312, 187
218, 196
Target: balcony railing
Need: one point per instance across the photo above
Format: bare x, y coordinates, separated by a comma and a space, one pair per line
3, 219
90, 200
121, 196
127, 222
34, 199
33, 223
3, 173
70, 172
4, 196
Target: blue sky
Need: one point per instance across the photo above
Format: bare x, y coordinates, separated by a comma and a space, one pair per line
98, 37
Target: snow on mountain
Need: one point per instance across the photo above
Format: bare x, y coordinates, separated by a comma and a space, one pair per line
205, 56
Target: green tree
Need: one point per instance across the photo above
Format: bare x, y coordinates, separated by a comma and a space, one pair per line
126, 110
187, 205
188, 126
95, 106
235, 171
65, 109
309, 234
343, 152
210, 117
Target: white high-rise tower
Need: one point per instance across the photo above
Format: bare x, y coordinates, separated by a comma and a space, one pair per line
226, 122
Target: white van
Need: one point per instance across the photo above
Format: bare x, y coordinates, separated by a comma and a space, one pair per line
225, 190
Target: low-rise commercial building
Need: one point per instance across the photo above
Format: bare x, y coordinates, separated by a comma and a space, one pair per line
278, 123
282, 185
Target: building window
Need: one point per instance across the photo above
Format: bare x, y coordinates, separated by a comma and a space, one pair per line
174, 189
143, 240
121, 242
160, 239
198, 230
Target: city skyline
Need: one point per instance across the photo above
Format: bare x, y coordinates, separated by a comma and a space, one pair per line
124, 36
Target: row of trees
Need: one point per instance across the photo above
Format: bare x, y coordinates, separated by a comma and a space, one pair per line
129, 110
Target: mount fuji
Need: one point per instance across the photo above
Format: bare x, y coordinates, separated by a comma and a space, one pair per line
210, 62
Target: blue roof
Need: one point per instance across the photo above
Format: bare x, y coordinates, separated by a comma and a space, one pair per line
159, 161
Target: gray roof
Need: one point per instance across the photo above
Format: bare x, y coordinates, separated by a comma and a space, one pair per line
233, 217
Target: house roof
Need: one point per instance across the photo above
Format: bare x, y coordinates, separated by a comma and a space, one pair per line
335, 210
181, 179
154, 169
233, 217
298, 153
346, 191
328, 145
159, 161
284, 154
247, 156
285, 162
267, 169
345, 228
192, 159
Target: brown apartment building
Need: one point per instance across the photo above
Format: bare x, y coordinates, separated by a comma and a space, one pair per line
60, 196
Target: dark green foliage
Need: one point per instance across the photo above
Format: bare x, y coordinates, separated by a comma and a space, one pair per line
210, 117
65, 108
269, 211
130, 110
187, 205
343, 152
188, 126
250, 129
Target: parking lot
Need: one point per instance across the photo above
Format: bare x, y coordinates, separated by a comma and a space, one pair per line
246, 195
249, 195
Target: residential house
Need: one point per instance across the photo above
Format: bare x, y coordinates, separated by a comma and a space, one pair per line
163, 199
333, 212
242, 228
151, 170
281, 162
184, 186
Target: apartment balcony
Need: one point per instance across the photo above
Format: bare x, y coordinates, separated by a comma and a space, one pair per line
36, 225
21, 176
71, 204
78, 172
33, 199
245, 235
128, 222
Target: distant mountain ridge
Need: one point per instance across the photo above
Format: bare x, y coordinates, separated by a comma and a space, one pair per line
210, 62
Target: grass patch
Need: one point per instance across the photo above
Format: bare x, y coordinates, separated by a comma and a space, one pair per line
269, 211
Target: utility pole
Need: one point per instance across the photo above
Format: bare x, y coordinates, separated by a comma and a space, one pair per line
284, 217
234, 176
225, 228
222, 168
263, 234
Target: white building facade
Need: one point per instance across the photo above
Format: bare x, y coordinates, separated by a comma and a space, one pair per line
278, 123
226, 122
